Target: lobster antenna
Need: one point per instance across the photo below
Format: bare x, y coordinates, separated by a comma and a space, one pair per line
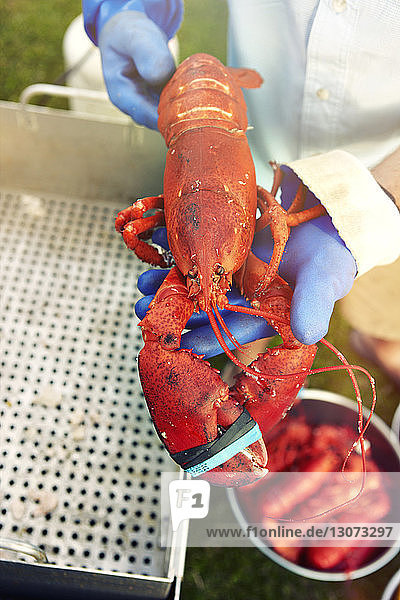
247, 310
225, 329
224, 346
362, 427
345, 366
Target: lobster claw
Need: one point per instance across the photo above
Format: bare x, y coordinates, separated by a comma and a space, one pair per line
205, 430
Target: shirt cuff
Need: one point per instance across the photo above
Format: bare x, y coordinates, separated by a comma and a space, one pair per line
365, 218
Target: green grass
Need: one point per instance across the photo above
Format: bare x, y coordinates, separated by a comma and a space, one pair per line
31, 33
245, 573
204, 28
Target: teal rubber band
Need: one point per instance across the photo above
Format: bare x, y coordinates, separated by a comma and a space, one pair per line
246, 440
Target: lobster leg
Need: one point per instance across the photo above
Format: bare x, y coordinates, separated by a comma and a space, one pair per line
280, 222
276, 218
205, 430
131, 223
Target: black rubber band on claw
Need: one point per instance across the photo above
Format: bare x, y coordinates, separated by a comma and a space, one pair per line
201, 455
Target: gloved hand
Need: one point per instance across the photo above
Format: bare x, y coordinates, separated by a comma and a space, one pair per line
316, 264
132, 36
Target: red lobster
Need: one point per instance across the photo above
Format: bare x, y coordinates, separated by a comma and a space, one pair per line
209, 209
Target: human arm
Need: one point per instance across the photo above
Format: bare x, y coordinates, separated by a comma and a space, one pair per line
132, 36
387, 174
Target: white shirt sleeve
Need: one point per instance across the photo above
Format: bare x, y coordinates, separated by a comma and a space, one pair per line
365, 217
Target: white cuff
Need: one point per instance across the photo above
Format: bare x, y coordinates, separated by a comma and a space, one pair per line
366, 219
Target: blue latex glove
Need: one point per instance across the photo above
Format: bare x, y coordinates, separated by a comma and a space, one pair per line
132, 36
316, 263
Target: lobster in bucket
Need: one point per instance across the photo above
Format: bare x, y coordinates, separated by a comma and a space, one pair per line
209, 207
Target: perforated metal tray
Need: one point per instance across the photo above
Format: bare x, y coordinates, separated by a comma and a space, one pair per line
80, 462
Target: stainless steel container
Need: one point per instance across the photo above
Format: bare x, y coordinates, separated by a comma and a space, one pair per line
80, 462
392, 587
319, 407
396, 422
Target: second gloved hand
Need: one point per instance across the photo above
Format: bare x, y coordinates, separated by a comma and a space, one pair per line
316, 263
136, 59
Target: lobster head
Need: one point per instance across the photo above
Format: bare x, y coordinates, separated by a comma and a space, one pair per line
210, 236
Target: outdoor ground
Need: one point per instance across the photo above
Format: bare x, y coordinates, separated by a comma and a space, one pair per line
31, 51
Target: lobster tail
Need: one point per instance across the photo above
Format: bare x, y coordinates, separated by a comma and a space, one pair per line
204, 93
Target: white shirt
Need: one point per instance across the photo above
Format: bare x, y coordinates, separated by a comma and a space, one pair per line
331, 71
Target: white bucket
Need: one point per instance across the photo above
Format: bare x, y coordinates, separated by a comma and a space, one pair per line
82, 59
